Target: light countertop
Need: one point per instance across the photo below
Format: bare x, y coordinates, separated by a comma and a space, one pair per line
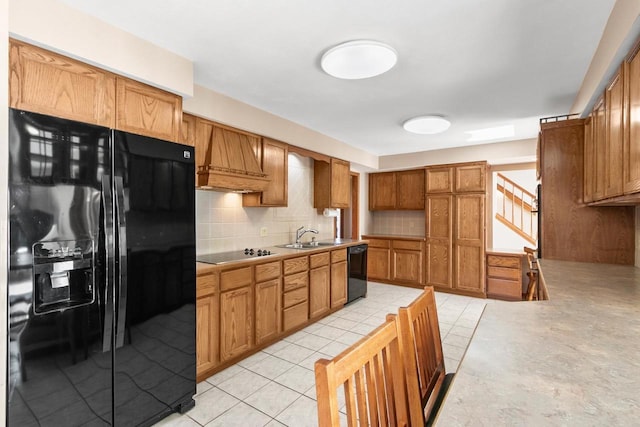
572, 361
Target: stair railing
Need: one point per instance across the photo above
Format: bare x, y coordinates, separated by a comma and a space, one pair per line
517, 210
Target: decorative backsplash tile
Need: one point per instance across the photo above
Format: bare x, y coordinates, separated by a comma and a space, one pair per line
408, 223
222, 224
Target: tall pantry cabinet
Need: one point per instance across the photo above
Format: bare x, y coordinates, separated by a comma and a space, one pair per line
455, 227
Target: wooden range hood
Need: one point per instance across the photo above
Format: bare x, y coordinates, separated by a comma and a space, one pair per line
230, 162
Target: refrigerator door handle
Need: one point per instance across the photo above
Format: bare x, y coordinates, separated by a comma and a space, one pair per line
107, 203
122, 256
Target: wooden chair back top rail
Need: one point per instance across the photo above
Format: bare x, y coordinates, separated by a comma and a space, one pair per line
421, 349
372, 374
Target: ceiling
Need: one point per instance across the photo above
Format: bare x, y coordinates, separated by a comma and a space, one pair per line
480, 63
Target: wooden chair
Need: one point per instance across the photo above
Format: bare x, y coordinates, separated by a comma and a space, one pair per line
372, 375
532, 274
423, 358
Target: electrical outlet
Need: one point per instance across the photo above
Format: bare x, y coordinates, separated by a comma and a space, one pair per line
263, 232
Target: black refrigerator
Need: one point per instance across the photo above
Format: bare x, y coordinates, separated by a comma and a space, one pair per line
101, 288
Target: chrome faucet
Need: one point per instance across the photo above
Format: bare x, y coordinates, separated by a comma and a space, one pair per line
301, 232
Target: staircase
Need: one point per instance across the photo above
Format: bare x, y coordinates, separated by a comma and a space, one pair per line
515, 208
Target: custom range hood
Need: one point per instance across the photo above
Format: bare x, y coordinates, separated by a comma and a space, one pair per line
230, 162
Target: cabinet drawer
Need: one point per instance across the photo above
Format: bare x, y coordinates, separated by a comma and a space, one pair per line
379, 243
339, 255
295, 265
503, 261
237, 278
295, 296
319, 260
295, 316
206, 285
267, 271
407, 244
504, 289
504, 273
295, 281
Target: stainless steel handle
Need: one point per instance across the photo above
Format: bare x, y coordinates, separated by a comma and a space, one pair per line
122, 256
109, 269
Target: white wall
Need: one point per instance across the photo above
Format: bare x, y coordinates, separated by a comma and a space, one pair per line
224, 225
4, 238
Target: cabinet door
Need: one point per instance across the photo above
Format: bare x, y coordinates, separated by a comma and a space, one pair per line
340, 184
588, 160
206, 332
319, 291
275, 164
631, 167
236, 322
439, 179
600, 149
378, 263
410, 189
471, 178
382, 191
188, 130
614, 98
146, 110
407, 266
268, 310
47, 83
469, 243
338, 284
439, 227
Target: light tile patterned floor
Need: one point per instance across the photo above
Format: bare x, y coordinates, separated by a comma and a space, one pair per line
276, 386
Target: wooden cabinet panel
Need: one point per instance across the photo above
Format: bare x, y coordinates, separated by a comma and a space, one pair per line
207, 327
382, 191
471, 178
439, 256
338, 284
268, 271
504, 276
589, 160
469, 242
600, 149
410, 189
188, 131
236, 322
439, 179
319, 260
47, 83
332, 184
319, 291
296, 296
267, 309
631, 156
295, 281
236, 278
509, 290
339, 255
503, 261
295, 316
295, 265
378, 243
407, 265
614, 98
274, 160
147, 110
378, 263
503, 272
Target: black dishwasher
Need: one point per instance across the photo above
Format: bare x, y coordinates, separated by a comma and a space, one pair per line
357, 265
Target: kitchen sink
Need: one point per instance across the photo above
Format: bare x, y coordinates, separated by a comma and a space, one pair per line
306, 245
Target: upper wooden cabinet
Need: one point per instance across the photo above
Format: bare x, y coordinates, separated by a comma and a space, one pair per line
599, 130
47, 83
439, 179
273, 157
332, 184
631, 149
471, 178
589, 160
614, 99
188, 130
401, 190
147, 110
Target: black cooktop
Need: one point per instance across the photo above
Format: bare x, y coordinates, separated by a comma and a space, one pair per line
222, 257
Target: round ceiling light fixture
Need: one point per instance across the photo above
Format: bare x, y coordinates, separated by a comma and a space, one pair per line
427, 125
358, 59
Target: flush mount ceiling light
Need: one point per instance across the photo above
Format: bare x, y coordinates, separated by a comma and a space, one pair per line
359, 59
427, 125
487, 134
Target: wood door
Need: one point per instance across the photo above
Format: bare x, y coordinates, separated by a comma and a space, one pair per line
147, 110
319, 291
340, 184
236, 322
188, 130
407, 265
471, 178
275, 164
469, 243
207, 330
379, 263
268, 310
382, 191
439, 179
631, 156
614, 98
410, 189
47, 83
439, 227
589, 160
339, 278
600, 149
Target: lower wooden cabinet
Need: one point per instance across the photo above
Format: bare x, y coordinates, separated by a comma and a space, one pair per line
319, 285
268, 296
339, 278
236, 322
396, 260
378, 259
504, 276
207, 327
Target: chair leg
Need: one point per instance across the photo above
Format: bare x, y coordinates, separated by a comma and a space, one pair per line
533, 286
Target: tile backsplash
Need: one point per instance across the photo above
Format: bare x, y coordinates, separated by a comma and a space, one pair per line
222, 224
407, 223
